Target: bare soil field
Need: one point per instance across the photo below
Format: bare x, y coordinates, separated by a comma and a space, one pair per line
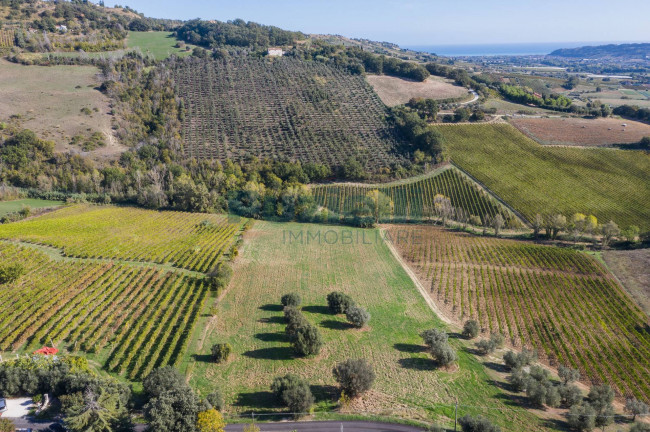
632, 267
601, 132
397, 91
50, 100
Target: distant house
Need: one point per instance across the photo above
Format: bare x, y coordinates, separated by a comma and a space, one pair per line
275, 52
62, 28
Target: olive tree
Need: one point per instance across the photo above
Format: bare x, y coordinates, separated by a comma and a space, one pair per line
355, 376
471, 329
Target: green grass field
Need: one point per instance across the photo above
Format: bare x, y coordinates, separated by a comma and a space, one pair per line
249, 317
610, 184
160, 44
7, 207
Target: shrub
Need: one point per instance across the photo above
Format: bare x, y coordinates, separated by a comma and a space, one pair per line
162, 380
513, 360
640, 427
295, 320
357, 316
10, 272
220, 276
221, 352
477, 424
568, 374
437, 342
215, 400
570, 395
291, 299
7, 425
355, 376
306, 340
471, 329
293, 392
488, 346
338, 302
210, 421
582, 417
435, 428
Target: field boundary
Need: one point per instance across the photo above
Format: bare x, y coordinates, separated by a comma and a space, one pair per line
492, 194
57, 254
416, 281
432, 173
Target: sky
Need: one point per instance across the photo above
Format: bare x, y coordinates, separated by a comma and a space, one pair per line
429, 22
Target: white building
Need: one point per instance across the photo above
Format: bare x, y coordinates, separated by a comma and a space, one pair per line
275, 52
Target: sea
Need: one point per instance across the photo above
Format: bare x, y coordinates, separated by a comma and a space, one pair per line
509, 49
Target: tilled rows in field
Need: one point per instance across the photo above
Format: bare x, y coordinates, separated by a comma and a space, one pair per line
286, 108
186, 240
610, 184
133, 319
414, 201
559, 301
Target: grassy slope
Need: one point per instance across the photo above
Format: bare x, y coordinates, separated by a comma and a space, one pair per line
15, 205
611, 184
158, 43
250, 319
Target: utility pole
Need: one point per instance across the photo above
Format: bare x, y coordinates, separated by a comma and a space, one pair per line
456, 415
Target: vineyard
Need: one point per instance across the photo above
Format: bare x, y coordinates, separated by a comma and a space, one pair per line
131, 319
6, 38
191, 241
242, 106
610, 184
559, 301
414, 200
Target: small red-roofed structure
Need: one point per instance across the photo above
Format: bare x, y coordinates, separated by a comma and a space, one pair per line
46, 351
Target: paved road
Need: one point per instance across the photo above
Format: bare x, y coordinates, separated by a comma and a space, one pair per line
328, 426
306, 426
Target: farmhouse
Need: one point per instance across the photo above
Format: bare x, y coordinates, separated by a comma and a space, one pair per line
275, 52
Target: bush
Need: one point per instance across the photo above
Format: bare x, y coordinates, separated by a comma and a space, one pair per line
437, 342
471, 329
7, 425
306, 340
293, 392
488, 346
294, 319
582, 417
220, 276
570, 395
221, 352
291, 299
162, 380
10, 272
435, 428
568, 374
640, 427
354, 376
513, 360
215, 400
338, 302
357, 316
210, 421
477, 424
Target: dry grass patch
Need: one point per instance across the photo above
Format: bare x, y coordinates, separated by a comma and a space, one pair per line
632, 267
50, 100
397, 91
582, 132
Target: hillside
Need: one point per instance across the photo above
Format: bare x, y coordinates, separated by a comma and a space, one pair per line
413, 199
610, 184
284, 109
636, 51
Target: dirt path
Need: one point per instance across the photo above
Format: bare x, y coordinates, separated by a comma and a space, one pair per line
57, 254
416, 281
